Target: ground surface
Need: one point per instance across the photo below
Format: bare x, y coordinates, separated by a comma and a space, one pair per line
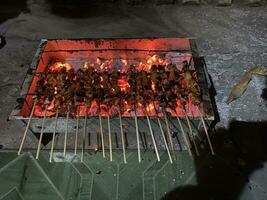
232, 39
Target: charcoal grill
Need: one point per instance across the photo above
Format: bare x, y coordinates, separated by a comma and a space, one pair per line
78, 51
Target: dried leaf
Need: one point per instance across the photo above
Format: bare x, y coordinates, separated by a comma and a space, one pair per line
242, 84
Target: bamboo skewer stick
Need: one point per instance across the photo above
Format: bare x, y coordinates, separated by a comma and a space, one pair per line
77, 132
101, 135
84, 133
109, 139
27, 127
162, 133
53, 138
152, 136
122, 139
66, 133
137, 138
169, 134
164, 139
207, 134
184, 136
191, 134
41, 134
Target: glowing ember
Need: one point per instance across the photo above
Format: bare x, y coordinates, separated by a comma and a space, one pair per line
150, 107
123, 84
59, 65
98, 88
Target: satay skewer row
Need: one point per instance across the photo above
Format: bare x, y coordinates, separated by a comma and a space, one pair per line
133, 86
66, 131
137, 135
184, 136
206, 132
160, 83
110, 139
169, 135
122, 139
163, 134
152, 136
146, 83
53, 137
102, 135
84, 133
77, 130
149, 123
161, 129
109, 134
151, 132
191, 134
42, 132
186, 141
27, 127
155, 80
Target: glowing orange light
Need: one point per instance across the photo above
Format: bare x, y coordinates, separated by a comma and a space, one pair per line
55, 90
51, 105
150, 107
153, 86
59, 65
123, 84
102, 66
124, 61
98, 61
86, 65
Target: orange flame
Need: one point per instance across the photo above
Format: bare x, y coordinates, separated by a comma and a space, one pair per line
123, 84
150, 107
153, 86
59, 65
51, 105
98, 61
124, 61
55, 90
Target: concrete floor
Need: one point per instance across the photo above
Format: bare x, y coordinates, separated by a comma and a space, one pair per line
232, 39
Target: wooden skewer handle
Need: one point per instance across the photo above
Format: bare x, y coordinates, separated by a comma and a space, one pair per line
41, 134
164, 139
53, 138
153, 139
137, 139
66, 134
27, 127
76, 134
191, 134
84, 134
184, 136
207, 134
110, 139
169, 135
122, 140
102, 136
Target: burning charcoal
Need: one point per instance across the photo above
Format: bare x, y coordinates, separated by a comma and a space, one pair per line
161, 68
154, 76
154, 68
113, 88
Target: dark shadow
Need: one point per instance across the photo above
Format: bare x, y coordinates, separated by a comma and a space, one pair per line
240, 151
2, 41
12, 8
264, 91
47, 137
84, 9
